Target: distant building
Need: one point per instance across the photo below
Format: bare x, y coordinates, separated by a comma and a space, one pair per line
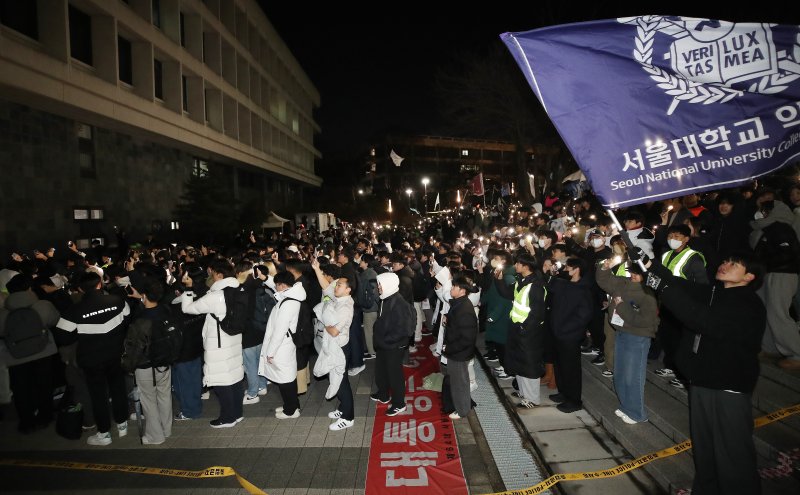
107, 107
449, 163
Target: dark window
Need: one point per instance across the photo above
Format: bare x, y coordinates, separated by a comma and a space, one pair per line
20, 16
80, 35
184, 94
183, 29
156, 7
158, 79
125, 60
86, 162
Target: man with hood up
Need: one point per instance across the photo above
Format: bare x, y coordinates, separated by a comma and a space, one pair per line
396, 320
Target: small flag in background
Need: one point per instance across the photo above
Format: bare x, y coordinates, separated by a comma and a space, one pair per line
477, 185
397, 159
436, 204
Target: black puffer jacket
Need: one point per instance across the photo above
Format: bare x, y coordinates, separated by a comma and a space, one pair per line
571, 308
461, 330
525, 344
396, 320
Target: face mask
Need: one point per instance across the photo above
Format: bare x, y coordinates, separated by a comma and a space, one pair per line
674, 243
597, 242
542, 243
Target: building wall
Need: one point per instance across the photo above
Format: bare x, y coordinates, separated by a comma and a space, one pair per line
137, 183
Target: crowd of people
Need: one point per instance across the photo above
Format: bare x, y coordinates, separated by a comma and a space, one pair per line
708, 281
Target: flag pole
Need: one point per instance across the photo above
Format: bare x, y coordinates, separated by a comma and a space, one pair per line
625, 237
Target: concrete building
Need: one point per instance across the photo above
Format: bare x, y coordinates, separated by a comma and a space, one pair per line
107, 107
449, 163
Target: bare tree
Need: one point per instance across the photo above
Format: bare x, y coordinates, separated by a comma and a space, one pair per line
486, 96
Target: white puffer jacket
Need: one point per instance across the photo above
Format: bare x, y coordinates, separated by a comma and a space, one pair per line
222, 358
277, 342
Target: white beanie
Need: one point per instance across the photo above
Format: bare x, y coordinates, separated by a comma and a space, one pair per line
389, 283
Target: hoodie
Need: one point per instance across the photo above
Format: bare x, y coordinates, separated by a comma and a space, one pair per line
396, 318
775, 241
390, 284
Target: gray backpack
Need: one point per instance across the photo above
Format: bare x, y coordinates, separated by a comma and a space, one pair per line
25, 333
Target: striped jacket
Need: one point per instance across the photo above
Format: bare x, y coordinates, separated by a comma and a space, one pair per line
100, 321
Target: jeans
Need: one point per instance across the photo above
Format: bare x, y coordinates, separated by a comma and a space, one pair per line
630, 366
251, 356
187, 383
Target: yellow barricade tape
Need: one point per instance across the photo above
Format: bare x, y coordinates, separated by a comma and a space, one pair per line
224, 471
210, 472
641, 461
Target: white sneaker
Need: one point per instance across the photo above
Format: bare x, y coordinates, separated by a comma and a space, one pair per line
665, 372
262, 391
133, 416
355, 371
147, 441
341, 425
279, 409
335, 414
619, 413
250, 400
454, 415
99, 439
280, 415
122, 429
205, 395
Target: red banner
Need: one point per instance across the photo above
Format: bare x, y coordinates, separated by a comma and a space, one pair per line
416, 451
477, 185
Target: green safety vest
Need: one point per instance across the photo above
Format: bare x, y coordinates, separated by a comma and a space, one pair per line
676, 264
622, 271
521, 307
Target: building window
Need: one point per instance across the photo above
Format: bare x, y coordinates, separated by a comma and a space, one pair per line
200, 168
158, 79
86, 161
80, 213
464, 152
184, 94
175, 225
80, 35
125, 60
156, 8
20, 16
182, 21
469, 168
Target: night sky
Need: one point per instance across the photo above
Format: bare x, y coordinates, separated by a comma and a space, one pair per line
375, 66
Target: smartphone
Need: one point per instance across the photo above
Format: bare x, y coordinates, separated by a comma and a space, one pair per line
69, 243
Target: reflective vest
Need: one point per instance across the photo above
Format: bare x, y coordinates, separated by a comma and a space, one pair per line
521, 307
622, 270
676, 264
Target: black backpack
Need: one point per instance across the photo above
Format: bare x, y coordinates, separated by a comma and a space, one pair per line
303, 335
237, 314
166, 341
25, 333
263, 302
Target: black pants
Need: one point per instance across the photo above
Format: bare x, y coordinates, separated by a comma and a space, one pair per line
357, 345
230, 401
32, 386
389, 375
104, 380
722, 442
345, 393
568, 369
669, 335
596, 327
500, 350
289, 395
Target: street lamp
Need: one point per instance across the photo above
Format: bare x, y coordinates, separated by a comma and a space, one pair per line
360, 191
408, 192
425, 182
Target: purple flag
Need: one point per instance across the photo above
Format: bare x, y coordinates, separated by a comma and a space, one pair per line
654, 107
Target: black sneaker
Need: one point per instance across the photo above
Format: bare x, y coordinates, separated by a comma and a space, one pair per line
394, 411
599, 360
368, 356
558, 398
569, 407
375, 398
494, 359
590, 351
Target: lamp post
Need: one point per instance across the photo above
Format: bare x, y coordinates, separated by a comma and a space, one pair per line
408, 192
425, 182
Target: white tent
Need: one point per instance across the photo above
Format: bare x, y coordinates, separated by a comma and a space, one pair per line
575, 176
273, 221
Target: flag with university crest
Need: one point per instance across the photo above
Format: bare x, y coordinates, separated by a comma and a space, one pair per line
654, 107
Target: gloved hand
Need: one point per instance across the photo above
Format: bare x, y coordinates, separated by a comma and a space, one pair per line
637, 254
655, 282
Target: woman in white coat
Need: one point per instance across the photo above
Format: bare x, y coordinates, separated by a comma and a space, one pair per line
278, 359
223, 368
